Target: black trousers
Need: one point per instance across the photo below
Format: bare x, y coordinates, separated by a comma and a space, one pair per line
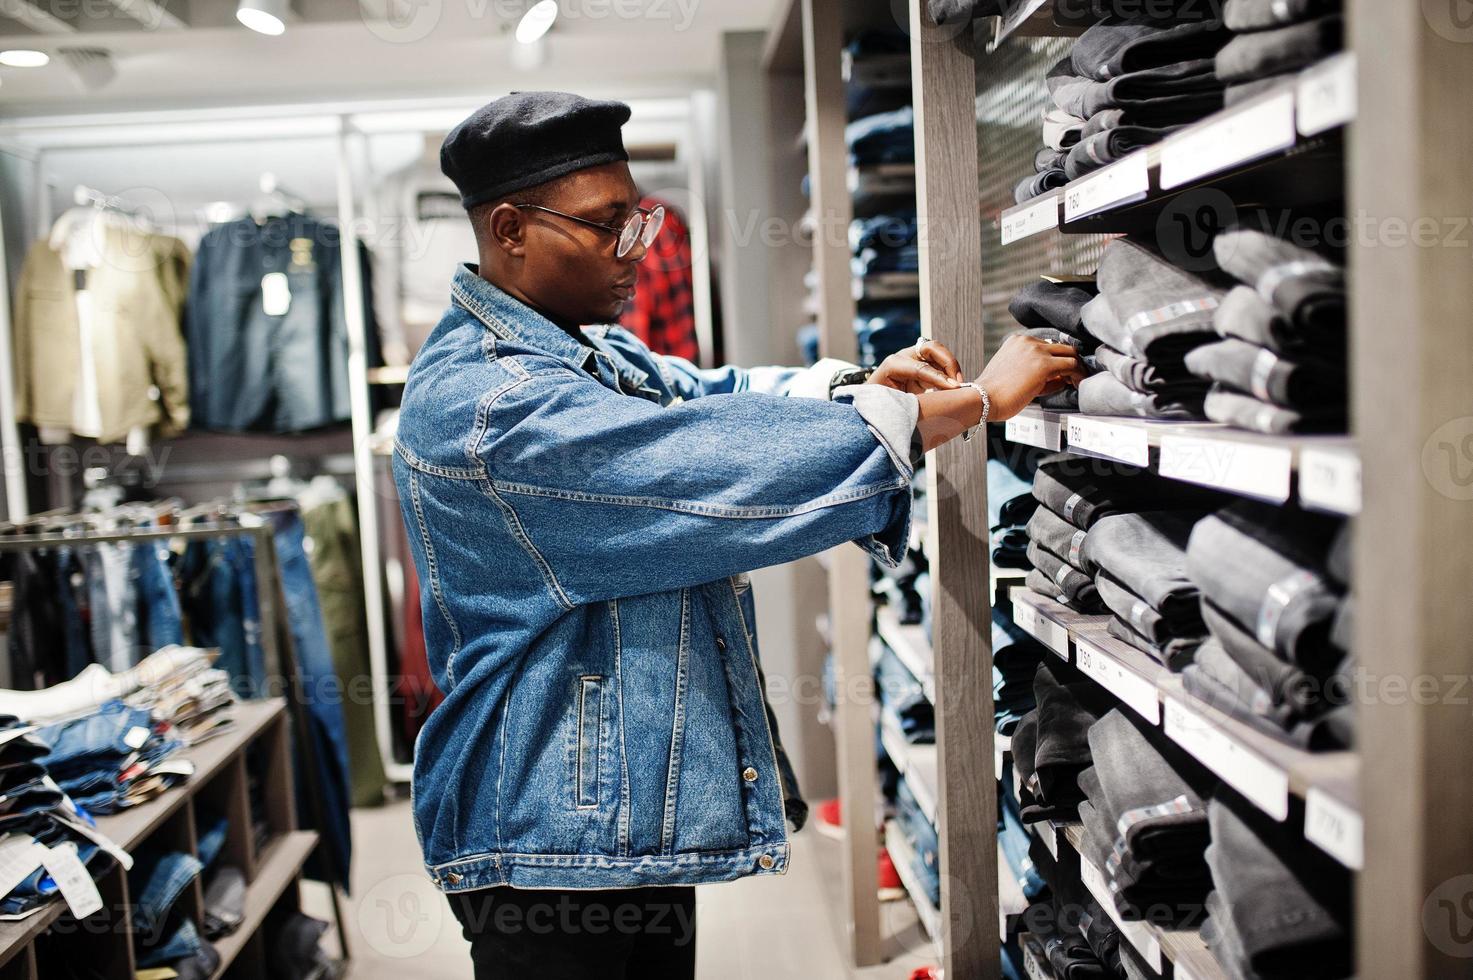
555, 934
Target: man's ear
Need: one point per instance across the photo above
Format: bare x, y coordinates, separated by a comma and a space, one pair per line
508, 229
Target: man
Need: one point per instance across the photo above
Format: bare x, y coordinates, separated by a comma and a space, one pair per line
581, 513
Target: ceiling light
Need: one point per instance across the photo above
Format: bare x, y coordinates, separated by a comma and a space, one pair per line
263, 16
536, 21
23, 58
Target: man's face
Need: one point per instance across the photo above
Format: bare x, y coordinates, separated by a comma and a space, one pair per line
569, 269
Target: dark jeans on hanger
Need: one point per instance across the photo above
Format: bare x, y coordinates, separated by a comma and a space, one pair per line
556, 934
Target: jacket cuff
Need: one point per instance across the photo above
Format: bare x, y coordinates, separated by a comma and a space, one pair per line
891, 416
813, 382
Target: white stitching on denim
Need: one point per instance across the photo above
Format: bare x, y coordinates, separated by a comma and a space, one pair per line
733, 511
583, 682
782, 794
433, 567
624, 801
781, 852
514, 525
677, 727
434, 469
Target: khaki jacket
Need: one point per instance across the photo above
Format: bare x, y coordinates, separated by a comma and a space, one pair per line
138, 294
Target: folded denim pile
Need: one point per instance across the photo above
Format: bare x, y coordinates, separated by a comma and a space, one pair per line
1128, 82
1051, 309
1139, 562
1015, 660
1015, 840
113, 758
901, 695
884, 243
1010, 502
920, 834
1273, 39
884, 137
1076, 494
1080, 941
866, 92
1280, 365
164, 936
905, 588
1149, 316
1051, 743
883, 328
1145, 822
109, 603
1274, 583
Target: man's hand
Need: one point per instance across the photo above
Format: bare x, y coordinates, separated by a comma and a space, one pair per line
1025, 367
928, 366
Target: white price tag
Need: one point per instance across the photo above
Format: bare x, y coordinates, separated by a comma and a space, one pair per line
1127, 443
1033, 430
1335, 827
1033, 968
1232, 137
276, 294
1329, 479
1327, 94
997, 755
1135, 691
1135, 932
1030, 218
1262, 782
1243, 467
1126, 180
19, 856
135, 737
1049, 836
72, 878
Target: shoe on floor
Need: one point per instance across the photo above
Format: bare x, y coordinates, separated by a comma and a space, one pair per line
827, 819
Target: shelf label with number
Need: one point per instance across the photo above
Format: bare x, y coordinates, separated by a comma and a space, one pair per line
1335, 827
1034, 430
1126, 180
1329, 479
1127, 443
1134, 690
1236, 136
1030, 218
1033, 968
1050, 837
1262, 782
1135, 932
1039, 626
1242, 467
1327, 94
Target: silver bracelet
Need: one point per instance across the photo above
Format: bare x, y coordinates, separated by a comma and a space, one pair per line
986, 409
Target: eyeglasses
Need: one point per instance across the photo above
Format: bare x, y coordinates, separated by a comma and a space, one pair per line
643, 225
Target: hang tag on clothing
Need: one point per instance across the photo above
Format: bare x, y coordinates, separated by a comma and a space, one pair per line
78, 825
11, 734
72, 878
276, 294
135, 737
19, 856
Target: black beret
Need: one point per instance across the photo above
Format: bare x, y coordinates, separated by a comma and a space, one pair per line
529, 138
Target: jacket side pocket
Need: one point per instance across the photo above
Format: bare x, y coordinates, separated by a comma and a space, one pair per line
590, 738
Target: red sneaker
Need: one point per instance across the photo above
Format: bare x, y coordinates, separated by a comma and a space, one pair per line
827, 819
926, 973
891, 888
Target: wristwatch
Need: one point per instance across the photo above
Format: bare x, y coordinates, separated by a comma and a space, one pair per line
849, 376
986, 410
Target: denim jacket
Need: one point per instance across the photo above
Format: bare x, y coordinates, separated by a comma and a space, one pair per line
581, 519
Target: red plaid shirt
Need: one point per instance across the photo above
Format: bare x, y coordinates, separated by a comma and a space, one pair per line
663, 310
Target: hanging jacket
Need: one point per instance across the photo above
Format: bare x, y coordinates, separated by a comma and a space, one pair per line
137, 290
268, 339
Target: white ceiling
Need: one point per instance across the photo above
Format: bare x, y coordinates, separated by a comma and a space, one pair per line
193, 53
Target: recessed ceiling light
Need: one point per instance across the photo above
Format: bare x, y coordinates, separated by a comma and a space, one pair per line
536, 21
263, 16
24, 58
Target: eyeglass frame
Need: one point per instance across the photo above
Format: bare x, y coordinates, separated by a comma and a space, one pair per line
644, 214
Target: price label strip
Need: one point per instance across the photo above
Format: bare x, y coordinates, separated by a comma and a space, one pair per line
1234, 137
1334, 827
1330, 479
1033, 430
1262, 782
1030, 218
1134, 690
1242, 467
1127, 443
1327, 95
1122, 182
1039, 626
1032, 967
1135, 932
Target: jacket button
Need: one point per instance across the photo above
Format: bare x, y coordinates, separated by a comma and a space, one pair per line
765, 862
720, 643
749, 774
454, 878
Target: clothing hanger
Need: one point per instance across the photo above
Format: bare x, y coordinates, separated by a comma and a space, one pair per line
275, 201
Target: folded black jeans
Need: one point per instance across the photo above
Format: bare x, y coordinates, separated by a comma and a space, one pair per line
1061, 538
1120, 45
1104, 394
1139, 375
1162, 96
1068, 581
1038, 184
1154, 301
1045, 303
1083, 490
1269, 376
1259, 15
1145, 620
1173, 654
1247, 316
1304, 286
1273, 52
1246, 412
1147, 553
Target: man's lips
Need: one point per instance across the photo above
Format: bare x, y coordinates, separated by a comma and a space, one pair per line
625, 289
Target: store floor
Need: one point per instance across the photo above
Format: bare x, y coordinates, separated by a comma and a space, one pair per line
756, 929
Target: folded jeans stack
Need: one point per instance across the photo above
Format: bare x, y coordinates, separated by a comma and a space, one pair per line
1140, 563
1050, 309
1272, 607
1010, 502
882, 329
1279, 909
113, 758
1149, 315
924, 844
1145, 822
901, 695
1127, 83
885, 137
1080, 940
1273, 40
1051, 744
1015, 660
1281, 365
884, 243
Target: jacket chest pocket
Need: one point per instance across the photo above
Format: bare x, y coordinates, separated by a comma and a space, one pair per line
588, 752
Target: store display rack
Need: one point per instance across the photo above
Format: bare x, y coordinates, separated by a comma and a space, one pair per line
220, 783
1322, 472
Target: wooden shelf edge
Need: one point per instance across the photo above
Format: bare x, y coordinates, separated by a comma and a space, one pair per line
901, 855
278, 866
